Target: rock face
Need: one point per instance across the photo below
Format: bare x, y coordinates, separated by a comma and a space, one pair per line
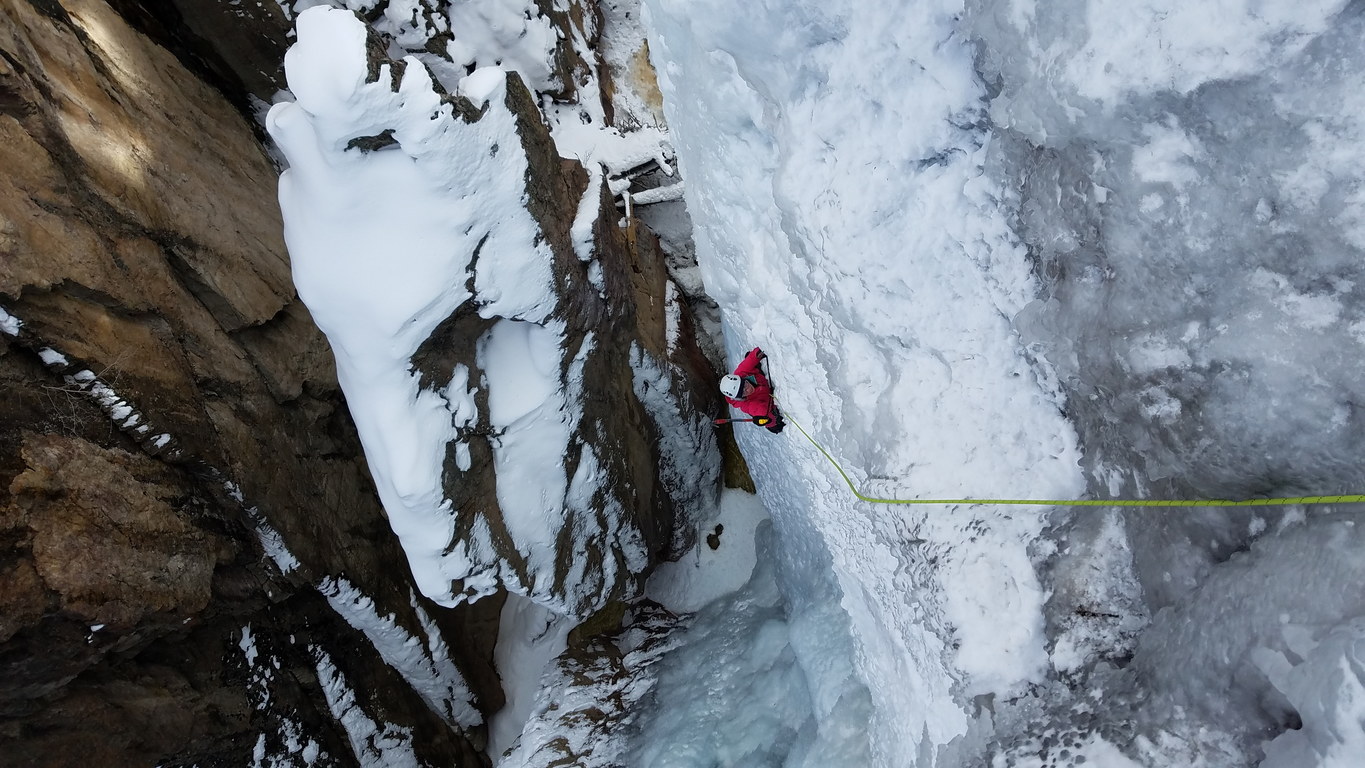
626, 319
168, 415
197, 569
521, 381
139, 555
599, 682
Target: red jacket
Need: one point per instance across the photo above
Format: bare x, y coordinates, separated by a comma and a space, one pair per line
759, 403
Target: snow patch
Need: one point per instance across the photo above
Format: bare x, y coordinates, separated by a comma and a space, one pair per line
424, 662
706, 573
529, 409
374, 746
529, 638
511, 34
248, 645
273, 544
9, 324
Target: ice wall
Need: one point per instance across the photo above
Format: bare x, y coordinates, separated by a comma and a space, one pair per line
953, 228
1195, 214
1186, 179
833, 154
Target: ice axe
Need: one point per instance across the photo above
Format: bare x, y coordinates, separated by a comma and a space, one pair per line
719, 422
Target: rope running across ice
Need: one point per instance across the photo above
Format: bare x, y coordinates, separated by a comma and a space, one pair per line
1271, 502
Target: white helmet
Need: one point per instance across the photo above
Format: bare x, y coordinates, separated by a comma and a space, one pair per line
729, 385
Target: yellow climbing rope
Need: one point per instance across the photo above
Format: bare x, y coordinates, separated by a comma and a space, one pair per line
1345, 499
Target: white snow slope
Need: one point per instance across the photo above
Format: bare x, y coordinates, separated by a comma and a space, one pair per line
877, 218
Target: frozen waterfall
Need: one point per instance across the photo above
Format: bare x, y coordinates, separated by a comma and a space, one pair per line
1017, 249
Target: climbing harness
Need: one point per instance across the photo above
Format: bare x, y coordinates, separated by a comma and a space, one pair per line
1277, 502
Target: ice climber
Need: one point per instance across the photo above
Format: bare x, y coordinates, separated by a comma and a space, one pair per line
748, 390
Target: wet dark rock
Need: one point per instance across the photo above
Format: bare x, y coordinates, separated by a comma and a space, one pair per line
713, 538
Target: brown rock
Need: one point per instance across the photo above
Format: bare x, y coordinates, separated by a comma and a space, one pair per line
140, 238
127, 135
237, 47
23, 596
106, 537
627, 313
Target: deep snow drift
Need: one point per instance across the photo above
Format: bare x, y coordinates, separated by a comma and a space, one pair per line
1039, 250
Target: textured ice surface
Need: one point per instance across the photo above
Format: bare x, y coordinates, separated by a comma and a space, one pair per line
760, 679
1200, 263
847, 228
1157, 205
